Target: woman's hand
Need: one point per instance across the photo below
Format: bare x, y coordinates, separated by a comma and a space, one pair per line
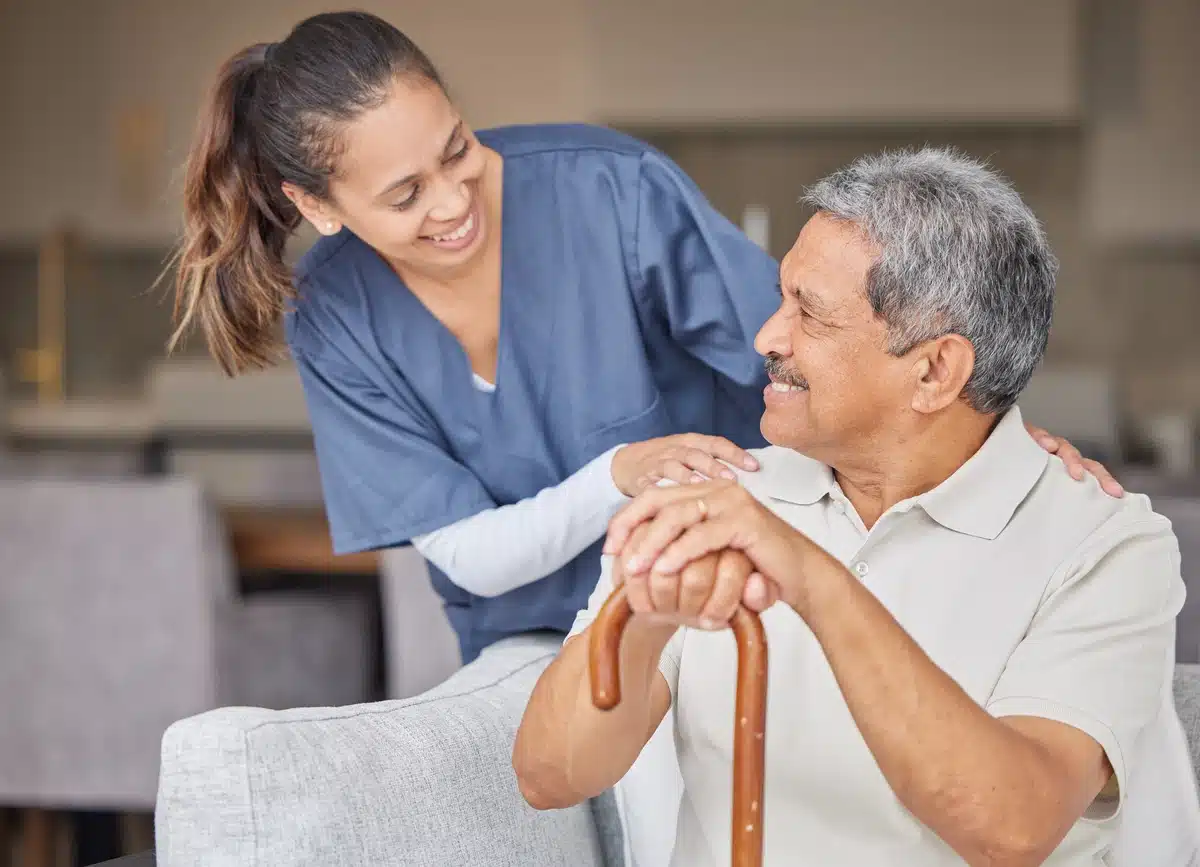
681, 458
1077, 465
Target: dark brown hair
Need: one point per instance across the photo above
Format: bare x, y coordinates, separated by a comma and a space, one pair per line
273, 116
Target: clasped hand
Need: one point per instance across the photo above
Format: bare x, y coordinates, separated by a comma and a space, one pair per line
689, 555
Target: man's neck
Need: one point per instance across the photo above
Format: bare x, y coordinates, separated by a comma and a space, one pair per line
900, 465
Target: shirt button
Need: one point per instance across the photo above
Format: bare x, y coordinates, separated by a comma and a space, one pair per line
861, 568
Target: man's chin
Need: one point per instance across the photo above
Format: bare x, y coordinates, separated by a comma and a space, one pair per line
788, 433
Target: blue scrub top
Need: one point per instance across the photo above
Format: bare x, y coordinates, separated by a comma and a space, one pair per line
629, 306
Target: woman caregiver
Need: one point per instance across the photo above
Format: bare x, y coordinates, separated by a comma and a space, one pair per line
493, 324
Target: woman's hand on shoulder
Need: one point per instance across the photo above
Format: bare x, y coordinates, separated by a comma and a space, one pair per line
681, 458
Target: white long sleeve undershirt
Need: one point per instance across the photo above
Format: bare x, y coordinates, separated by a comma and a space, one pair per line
507, 547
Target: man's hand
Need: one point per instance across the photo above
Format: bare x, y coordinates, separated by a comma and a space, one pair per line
703, 595
1077, 464
681, 458
666, 531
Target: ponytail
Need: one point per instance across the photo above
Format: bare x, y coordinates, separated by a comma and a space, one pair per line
272, 117
231, 279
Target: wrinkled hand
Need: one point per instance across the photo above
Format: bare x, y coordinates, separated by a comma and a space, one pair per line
681, 458
665, 531
704, 594
1077, 464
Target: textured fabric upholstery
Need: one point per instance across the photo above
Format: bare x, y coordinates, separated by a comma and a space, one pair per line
421, 781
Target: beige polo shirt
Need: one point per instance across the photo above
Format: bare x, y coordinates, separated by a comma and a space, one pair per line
1039, 595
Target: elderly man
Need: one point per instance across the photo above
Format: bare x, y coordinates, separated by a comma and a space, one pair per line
970, 652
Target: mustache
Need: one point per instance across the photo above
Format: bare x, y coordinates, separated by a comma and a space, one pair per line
778, 371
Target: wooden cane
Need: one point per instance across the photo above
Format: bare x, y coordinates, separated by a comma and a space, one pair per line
750, 721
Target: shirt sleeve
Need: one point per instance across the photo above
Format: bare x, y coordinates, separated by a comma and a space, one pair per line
712, 285
386, 475
1099, 654
507, 547
672, 655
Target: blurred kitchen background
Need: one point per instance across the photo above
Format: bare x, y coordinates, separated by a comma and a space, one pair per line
195, 499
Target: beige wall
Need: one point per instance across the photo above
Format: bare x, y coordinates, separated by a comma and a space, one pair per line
850, 60
1144, 165
50, 108
73, 71
77, 75
78, 72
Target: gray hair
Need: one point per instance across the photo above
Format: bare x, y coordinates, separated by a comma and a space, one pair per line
958, 253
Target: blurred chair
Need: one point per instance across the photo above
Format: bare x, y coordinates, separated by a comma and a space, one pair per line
1184, 515
1079, 403
421, 647
118, 616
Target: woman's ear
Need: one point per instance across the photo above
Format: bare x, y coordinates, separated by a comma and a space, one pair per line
313, 210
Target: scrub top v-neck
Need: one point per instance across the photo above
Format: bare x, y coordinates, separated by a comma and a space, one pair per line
628, 309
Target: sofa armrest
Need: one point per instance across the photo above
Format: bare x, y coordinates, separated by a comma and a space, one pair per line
1187, 704
422, 780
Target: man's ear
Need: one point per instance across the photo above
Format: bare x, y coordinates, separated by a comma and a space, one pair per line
940, 371
313, 210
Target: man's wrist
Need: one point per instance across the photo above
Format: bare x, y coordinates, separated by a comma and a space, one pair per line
817, 576
648, 635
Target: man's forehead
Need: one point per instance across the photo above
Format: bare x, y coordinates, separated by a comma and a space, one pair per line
807, 277
830, 246
828, 265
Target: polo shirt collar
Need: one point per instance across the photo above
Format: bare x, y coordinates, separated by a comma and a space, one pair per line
978, 499
982, 495
791, 477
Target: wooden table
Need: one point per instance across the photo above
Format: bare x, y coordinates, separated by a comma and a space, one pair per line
290, 540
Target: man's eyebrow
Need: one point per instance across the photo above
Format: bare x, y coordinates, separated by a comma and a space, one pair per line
808, 300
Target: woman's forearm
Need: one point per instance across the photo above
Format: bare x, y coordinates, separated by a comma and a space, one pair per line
501, 549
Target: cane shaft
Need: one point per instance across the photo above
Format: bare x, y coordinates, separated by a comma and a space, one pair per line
750, 713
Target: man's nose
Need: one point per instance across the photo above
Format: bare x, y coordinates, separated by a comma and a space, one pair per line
774, 336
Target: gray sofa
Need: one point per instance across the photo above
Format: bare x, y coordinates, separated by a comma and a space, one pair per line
420, 781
